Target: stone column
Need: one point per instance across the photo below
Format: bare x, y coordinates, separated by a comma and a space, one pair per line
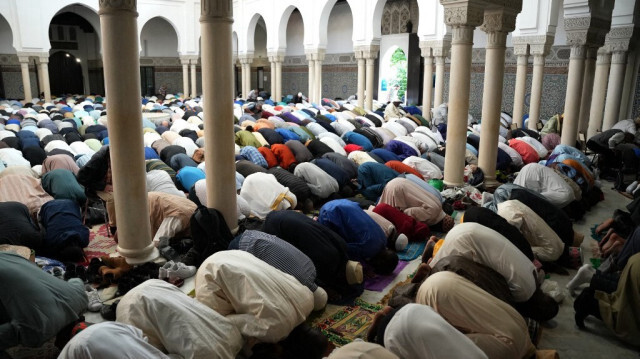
279, 77
185, 76
370, 53
44, 77
614, 91
440, 57
463, 18
26, 80
522, 52
245, 62
629, 83
361, 77
539, 54
194, 82
573, 95
497, 24
427, 84
121, 60
587, 88
600, 81
312, 78
217, 82
273, 77
318, 75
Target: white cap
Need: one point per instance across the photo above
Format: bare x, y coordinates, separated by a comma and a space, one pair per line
401, 242
320, 298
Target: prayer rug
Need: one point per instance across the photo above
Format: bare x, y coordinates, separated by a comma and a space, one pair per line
348, 323
413, 251
99, 244
380, 282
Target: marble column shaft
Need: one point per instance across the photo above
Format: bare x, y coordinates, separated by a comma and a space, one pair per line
614, 90
438, 97
520, 89
370, 68
361, 80
26, 80
537, 78
573, 95
601, 78
587, 88
44, 78
122, 78
427, 85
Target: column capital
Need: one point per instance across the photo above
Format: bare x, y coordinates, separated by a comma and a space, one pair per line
520, 49
538, 59
501, 20
436, 47
465, 13
585, 30
578, 52
194, 60
604, 56
245, 59
216, 11
540, 49
276, 56
367, 52
619, 38
315, 54
523, 60
619, 57
111, 7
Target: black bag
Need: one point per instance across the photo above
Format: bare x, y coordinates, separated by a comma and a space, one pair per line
95, 213
210, 234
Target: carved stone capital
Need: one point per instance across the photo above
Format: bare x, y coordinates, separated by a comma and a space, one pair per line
540, 49
369, 52
520, 49
619, 57
462, 34
276, 56
23, 59
216, 10
499, 21
245, 59
523, 60
315, 54
111, 7
604, 57
578, 52
462, 14
425, 51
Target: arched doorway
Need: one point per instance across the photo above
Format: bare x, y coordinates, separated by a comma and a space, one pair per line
74, 31
294, 81
393, 75
339, 41
260, 60
65, 74
159, 45
6, 47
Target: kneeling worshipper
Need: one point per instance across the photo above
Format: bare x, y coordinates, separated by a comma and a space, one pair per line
24, 189
283, 256
62, 184
59, 161
491, 219
491, 324
65, 234
418, 331
170, 216
366, 242
264, 194
336, 274
178, 324
322, 185
18, 227
264, 303
547, 182
34, 305
373, 177
618, 310
416, 202
160, 181
488, 247
545, 243
111, 340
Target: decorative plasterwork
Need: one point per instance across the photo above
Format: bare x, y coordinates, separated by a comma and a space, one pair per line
619, 39
367, 51
111, 7
462, 14
216, 10
437, 48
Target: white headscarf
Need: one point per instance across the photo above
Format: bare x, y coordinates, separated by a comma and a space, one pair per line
417, 331
264, 194
320, 183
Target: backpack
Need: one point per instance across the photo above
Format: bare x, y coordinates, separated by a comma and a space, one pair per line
210, 234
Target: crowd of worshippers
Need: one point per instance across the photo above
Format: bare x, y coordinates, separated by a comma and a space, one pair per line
327, 194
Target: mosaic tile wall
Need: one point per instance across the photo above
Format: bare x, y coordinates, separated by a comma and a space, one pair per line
12, 77
339, 75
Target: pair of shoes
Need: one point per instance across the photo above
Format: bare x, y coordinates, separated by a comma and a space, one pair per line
95, 304
162, 271
108, 312
70, 272
180, 271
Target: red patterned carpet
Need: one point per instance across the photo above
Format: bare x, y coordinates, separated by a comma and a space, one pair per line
99, 243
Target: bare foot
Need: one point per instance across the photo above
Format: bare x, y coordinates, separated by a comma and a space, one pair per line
604, 225
422, 273
428, 249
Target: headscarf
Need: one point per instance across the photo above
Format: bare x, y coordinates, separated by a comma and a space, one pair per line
264, 194
59, 162
408, 197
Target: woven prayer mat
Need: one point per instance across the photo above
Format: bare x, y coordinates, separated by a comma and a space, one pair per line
413, 251
99, 244
348, 323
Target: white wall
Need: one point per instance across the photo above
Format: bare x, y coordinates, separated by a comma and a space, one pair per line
260, 40
295, 35
6, 37
158, 39
340, 30
561, 34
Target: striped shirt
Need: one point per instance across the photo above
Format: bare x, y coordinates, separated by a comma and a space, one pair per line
281, 255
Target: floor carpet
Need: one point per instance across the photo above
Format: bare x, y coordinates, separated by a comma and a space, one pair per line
348, 323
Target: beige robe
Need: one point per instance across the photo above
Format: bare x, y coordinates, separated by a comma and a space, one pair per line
491, 324
263, 302
163, 205
544, 241
414, 201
